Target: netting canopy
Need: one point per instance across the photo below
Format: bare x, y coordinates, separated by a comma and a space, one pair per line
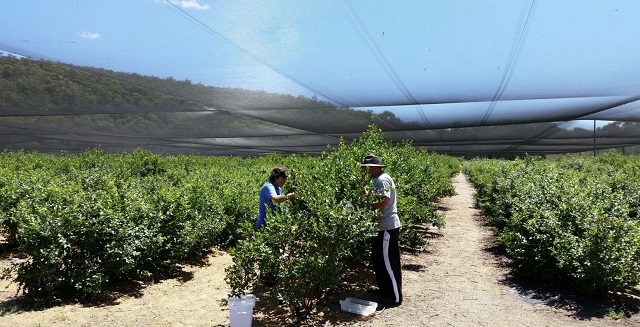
500, 77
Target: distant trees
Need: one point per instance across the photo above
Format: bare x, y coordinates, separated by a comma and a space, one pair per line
54, 97
40, 86
64, 98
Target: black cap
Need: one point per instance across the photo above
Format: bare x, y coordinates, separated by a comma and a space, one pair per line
372, 161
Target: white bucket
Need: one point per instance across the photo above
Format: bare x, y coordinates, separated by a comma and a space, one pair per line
241, 310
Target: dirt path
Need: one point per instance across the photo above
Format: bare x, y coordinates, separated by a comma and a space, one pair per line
462, 283
458, 282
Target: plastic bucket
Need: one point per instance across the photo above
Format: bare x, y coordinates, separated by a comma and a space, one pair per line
241, 310
240, 319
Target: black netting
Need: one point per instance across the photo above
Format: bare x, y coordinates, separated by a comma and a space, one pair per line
225, 78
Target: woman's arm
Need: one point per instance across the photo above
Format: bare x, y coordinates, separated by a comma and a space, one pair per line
281, 198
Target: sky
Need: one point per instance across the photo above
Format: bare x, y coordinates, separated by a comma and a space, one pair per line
448, 63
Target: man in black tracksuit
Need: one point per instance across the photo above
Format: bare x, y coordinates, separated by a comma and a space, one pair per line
385, 253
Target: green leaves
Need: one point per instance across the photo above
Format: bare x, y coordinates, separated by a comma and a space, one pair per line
86, 221
326, 229
568, 218
89, 220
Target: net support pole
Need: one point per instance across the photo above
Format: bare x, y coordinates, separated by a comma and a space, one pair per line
594, 137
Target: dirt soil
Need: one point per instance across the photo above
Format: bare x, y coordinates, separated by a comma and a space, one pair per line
461, 280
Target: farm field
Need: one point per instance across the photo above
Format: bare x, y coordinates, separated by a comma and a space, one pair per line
85, 224
459, 281
471, 164
100, 229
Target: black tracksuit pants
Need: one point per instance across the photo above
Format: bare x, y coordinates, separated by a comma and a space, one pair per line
385, 257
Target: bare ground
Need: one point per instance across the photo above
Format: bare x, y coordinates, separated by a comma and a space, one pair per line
460, 281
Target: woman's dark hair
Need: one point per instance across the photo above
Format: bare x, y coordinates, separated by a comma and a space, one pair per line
280, 171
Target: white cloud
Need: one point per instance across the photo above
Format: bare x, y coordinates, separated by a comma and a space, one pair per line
4, 53
89, 35
193, 4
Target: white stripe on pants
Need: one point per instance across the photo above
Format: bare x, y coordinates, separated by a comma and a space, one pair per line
387, 264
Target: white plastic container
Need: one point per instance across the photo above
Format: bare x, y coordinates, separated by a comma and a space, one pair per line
241, 310
362, 307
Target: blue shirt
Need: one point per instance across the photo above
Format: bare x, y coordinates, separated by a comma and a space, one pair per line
266, 192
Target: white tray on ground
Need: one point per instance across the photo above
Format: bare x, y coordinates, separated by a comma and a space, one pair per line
362, 307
